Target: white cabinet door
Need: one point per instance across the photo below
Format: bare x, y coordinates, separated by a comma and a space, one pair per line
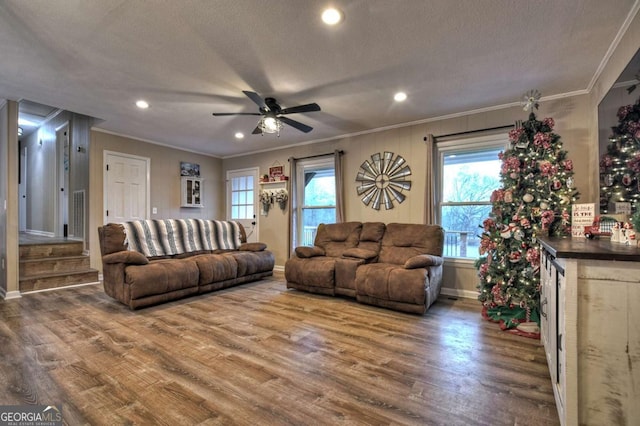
192, 191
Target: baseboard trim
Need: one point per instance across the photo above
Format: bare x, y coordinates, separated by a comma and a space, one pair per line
61, 288
454, 292
9, 295
278, 268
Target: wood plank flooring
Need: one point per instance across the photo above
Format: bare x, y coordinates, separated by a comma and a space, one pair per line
261, 354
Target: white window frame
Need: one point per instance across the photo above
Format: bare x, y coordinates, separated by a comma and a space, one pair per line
301, 168
489, 142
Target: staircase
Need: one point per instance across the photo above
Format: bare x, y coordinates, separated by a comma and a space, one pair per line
58, 263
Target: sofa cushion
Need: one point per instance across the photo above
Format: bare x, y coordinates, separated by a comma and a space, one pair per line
403, 241
372, 231
253, 247
215, 267
162, 276
392, 282
252, 262
360, 253
112, 238
307, 251
126, 256
312, 272
335, 238
423, 261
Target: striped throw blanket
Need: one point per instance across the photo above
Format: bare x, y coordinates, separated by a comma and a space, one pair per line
167, 237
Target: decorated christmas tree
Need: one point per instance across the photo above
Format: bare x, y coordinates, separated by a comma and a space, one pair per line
534, 200
620, 165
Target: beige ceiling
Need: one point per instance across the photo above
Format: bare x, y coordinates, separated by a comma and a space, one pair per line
189, 59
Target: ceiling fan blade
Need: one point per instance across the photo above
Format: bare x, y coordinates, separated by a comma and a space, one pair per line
257, 131
255, 98
302, 108
221, 114
298, 125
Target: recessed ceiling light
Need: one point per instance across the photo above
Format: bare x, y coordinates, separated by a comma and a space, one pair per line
400, 96
331, 16
239, 135
142, 104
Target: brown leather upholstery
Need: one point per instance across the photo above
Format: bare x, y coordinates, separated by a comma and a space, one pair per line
367, 251
388, 283
397, 266
315, 272
138, 281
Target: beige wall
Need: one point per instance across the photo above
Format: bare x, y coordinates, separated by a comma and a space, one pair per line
9, 195
164, 182
571, 116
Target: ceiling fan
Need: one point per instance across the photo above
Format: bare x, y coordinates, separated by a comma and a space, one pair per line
273, 115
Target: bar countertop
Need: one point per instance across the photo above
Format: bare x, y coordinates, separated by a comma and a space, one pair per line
582, 248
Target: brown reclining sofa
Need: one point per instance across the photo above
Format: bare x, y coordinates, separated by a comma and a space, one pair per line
148, 262
396, 266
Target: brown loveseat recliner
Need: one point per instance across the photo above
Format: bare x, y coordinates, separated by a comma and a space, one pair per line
408, 274
397, 266
138, 280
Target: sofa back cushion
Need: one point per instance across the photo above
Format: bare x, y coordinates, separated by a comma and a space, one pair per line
112, 238
335, 238
371, 236
402, 241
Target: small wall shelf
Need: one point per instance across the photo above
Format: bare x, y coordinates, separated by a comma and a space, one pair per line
274, 182
191, 192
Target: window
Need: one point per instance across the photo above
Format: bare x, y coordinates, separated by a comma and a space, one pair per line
316, 193
469, 171
242, 197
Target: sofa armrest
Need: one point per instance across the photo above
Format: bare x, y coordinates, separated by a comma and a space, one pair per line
253, 247
307, 251
125, 256
360, 253
423, 261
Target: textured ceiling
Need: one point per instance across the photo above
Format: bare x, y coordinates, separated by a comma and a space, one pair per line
189, 59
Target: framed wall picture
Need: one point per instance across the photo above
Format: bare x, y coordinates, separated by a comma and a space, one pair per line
275, 172
189, 169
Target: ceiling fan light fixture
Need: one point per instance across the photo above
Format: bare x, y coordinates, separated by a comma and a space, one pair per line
331, 16
270, 125
239, 135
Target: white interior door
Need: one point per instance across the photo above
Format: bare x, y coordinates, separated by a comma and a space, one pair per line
242, 200
126, 187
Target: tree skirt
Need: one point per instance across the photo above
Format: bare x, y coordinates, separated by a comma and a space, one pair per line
514, 320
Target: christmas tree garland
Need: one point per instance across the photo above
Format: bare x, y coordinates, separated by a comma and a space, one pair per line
536, 194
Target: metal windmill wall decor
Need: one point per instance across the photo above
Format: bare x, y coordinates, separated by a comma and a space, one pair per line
383, 180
